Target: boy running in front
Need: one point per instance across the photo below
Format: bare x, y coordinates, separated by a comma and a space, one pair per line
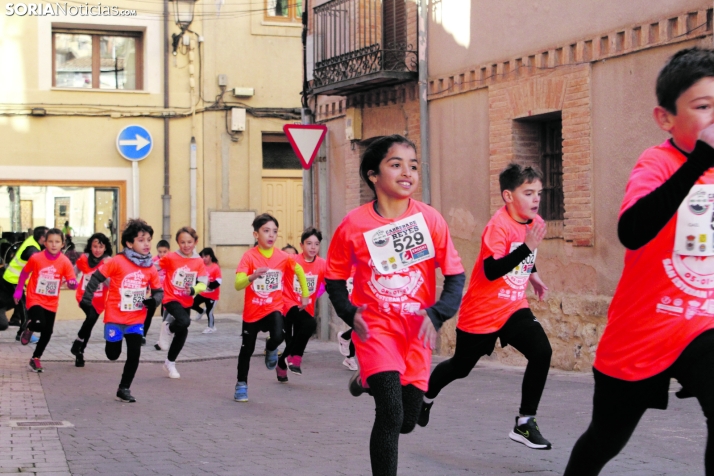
495, 304
660, 321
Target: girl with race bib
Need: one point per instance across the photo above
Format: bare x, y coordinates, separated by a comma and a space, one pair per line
395, 243
260, 272
46, 270
300, 323
186, 277
97, 251
130, 273
210, 296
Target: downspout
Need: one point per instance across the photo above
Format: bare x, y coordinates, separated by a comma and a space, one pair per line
423, 102
166, 197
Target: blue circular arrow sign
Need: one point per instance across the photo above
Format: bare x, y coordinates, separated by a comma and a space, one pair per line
134, 143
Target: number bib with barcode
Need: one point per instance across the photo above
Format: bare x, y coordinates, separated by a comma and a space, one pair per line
132, 299
694, 235
311, 284
270, 282
48, 287
400, 245
520, 275
184, 279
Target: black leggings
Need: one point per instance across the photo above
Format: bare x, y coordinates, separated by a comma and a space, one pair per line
524, 333
397, 408
42, 321
198, 300
273, 324
179, 327
617, 413
133, 353
299, 327
150, 315
85, 332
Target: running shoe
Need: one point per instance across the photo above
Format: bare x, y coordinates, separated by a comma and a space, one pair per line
529, 435
209, 330
124, 395
294, 362
143, 340
165, 336
344, 345
157, 346
34, 339
241, 394
282, 374
26, 336
76, 347
79, 360
36, 365
197, 316
271, 358
350, 363
355, 386
170, 367
424, 414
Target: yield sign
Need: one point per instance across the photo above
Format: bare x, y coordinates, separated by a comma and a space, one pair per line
306, 140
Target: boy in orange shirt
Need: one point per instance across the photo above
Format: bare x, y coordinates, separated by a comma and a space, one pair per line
660, 324
495, 305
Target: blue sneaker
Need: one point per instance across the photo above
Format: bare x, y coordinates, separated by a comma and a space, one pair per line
241, 394
271, 359
34, 339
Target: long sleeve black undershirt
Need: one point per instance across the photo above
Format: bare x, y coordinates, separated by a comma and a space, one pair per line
28, 252
640, 223
98, 278
497, 268
214, 285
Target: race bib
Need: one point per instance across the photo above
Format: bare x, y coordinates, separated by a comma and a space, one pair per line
48, 287
311, 284
132, 299
400, 245
694, 235
520, 275
184, 279
270, 282
350, 285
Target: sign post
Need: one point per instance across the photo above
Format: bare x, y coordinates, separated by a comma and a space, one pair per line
134, 143
305, 140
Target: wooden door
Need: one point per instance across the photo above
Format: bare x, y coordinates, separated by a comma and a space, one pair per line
282, 198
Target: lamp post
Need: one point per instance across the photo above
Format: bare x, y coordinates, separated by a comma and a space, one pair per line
183, 13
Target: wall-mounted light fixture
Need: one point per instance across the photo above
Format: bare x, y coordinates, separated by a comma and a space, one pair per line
183, 12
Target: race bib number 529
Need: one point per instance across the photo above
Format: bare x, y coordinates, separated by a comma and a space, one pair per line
400, 245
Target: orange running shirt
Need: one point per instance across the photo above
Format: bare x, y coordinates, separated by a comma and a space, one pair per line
264, 295
315, 276
181, 274
45, 279
665, 297
87, 272
214, 273
128, 285
487, 305
162, 272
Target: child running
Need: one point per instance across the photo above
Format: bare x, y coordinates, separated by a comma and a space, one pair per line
46, 270
97, 251
396, 243
129, 273
661, 318
344, 339
162, 249
300, 322
495, 304
186, 277
260, 272
210, 296
289, 249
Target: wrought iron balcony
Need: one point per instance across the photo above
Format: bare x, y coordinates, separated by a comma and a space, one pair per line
363, 44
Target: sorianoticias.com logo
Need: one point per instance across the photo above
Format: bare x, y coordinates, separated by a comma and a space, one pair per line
65, 9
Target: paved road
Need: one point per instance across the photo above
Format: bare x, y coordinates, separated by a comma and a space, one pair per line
311, 426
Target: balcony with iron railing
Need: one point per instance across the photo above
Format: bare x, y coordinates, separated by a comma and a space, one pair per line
363, 44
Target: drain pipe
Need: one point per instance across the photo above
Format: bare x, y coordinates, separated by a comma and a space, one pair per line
423, 103
166, 197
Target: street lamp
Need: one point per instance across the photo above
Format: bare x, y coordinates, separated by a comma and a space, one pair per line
183, 12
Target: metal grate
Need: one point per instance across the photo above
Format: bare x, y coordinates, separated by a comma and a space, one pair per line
552, 205
40, 424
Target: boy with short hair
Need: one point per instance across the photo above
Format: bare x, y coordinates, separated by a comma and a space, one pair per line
495, 305
661, 319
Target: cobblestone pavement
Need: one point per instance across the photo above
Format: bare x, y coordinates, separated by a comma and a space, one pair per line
311, 426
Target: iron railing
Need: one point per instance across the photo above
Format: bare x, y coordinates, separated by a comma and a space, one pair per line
356, 38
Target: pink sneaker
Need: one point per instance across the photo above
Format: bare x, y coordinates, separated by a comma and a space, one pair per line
294, 364
282, 374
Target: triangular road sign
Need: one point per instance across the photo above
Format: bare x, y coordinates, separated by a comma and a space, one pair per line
306, 140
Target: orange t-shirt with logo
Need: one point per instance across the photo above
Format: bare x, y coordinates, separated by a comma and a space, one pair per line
45, 279
315, 276
162, 272
214, 273
99, 296
400, 291
487, 305
128, 284
265, 294
665, 297
181, 274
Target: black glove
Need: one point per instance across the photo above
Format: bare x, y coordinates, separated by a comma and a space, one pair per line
149, 303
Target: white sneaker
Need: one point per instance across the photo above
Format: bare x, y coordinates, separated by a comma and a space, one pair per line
196, 315
165, 336
170, 367
350, 363
344, 345
209, 330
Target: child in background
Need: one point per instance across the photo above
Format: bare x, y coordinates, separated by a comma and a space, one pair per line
344, 339
289, 249
162, 249
210, 296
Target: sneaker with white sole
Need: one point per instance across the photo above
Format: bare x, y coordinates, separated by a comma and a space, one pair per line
198, 315
209, 330
294, 363
344, 345
241, 394
170, 367
350, 363
36, 365
355, 385
124, 395
529, 435
271, 358
165, 336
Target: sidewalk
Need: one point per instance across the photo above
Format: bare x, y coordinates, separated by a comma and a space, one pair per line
310, 426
